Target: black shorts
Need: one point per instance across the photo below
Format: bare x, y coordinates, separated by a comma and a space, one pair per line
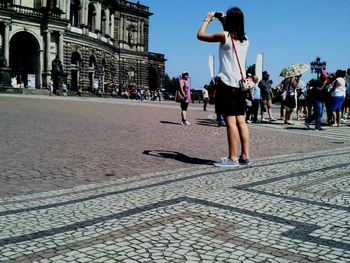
229, 101
184, 106
290, 102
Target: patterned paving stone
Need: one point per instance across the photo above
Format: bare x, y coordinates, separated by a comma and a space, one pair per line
212, 214
289, 207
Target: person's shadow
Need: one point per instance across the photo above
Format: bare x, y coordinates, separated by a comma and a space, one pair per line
207, 122
170, 122
178, 157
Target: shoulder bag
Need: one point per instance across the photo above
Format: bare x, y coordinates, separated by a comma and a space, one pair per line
179, 97
244, 83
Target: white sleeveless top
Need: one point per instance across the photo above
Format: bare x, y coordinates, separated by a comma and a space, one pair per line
340, 90
229, 70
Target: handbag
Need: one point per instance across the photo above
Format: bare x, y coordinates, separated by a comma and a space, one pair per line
179, 97
248, 103
244, 83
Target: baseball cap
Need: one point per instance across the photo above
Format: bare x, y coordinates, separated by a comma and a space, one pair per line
265, 73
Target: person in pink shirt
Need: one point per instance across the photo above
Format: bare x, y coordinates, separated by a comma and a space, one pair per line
185, 90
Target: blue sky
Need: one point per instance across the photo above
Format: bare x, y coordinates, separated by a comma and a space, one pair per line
285, 31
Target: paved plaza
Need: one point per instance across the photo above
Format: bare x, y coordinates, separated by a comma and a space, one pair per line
107, 180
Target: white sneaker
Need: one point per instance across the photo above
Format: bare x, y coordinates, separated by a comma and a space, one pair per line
226, 162
186, 123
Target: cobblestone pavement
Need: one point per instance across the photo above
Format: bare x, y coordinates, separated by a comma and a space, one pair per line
92, 180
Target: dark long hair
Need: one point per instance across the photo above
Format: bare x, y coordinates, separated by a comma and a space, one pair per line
234, 23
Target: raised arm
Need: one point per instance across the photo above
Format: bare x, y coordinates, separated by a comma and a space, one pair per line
202, 32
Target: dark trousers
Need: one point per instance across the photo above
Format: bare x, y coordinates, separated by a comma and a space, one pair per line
316, 114
205, 104
283, 106
255, 110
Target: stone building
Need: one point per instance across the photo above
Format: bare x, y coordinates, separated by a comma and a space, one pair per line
95, 42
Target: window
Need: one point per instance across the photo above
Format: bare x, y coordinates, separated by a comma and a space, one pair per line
91, 17
74, 12
103, 22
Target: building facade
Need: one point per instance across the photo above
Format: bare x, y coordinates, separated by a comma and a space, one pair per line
96, 43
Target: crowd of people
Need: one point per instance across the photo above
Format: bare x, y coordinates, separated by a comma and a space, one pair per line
329, 93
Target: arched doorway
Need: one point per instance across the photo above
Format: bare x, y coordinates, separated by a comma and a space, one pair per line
75, 70
152, 78
25, 59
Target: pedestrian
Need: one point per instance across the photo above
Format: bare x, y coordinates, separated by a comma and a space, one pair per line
219, 117
64, 89
185, 91
318, 99
338, 94
346, 111
301, 98
310, 97
142, 94
280, 88
266, 96
328, 99
249, 99
230, 98
50, 88
248, 105
291, 99
205, 95
256, 97
79, 88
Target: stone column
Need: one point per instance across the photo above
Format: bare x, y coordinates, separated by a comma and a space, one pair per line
7, 43
60, 46
68, 10
45, 72
41, 79
85, 13
142, 38
47, 51
107, 23
98, 17
112, 26
121, 29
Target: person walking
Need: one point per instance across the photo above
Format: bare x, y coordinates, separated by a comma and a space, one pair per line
230, 98
205, 95
338, 94
249, 99
266, 96
291, 99
256, 98
185, 91
346, 109
318, 99
280, 88
50, 88
301, 98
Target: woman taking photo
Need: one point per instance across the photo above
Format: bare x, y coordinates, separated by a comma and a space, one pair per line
230, 98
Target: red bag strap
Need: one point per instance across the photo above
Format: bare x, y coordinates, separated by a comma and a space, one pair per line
235, 51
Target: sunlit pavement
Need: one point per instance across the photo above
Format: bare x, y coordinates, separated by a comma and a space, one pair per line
106, 180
